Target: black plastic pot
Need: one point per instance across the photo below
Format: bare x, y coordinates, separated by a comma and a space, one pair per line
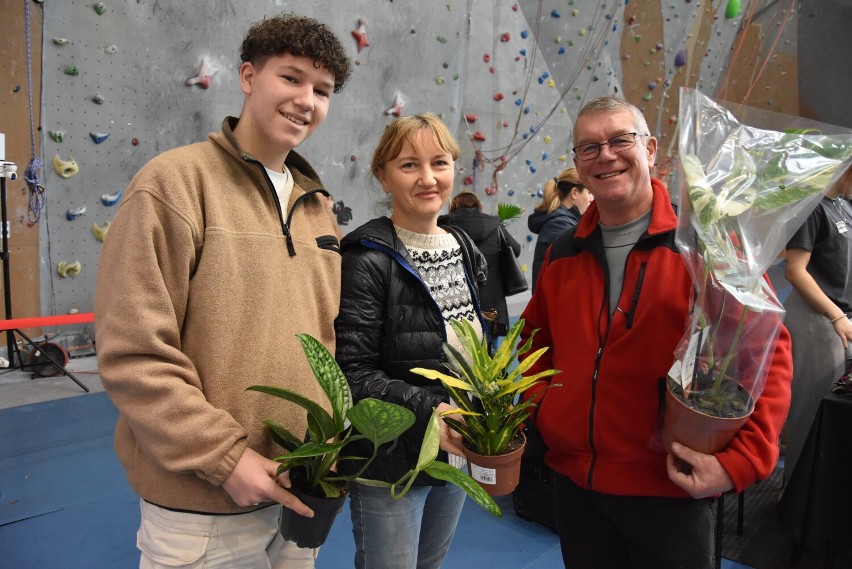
310, 533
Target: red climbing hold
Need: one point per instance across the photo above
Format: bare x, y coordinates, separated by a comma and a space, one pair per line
360, 34
478, 136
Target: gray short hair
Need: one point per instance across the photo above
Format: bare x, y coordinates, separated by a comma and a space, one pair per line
614, 105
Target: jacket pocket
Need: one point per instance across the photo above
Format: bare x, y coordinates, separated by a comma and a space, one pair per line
328, 242
172, 546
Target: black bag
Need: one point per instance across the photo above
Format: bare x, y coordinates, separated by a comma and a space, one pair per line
533, 498
513, 278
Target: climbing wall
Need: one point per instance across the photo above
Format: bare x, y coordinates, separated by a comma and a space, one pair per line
126, 79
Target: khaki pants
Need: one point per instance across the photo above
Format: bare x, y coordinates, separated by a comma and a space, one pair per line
251, 541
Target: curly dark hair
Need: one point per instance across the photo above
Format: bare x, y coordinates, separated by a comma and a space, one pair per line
301, 37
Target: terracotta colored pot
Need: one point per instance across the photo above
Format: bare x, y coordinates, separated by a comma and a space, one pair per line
697, 430
500, 474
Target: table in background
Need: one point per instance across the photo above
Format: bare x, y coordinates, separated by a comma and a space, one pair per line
817, 500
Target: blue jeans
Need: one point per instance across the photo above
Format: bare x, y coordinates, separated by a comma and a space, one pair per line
413, 532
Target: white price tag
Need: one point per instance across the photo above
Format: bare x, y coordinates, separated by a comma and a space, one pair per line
483, 475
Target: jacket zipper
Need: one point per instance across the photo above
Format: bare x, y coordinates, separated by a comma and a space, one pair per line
601, 343
285, 225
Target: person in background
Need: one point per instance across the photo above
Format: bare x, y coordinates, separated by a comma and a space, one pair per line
819, 266
611, 303
406, 277
565, 200
219, 254
466, 214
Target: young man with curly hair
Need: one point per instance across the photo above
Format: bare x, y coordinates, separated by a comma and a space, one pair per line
220, 252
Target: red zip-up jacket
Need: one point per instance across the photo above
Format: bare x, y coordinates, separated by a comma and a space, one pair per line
602, 425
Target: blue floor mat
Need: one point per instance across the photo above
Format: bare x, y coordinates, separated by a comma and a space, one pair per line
56, 455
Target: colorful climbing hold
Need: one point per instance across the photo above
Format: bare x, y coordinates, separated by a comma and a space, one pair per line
498, 96
57, 135
65, 168
396, 108
471, 118
525, 34
110, 200
506, 36
74, 213
98, 137
72, 70
555, 14
100, 232
360, 34
134, 141
680, 58
489, 191
478, 136
468, 180
439, 80
441, 39
68, 269
732, 9
547, 140
205, 73
99, 8
486, 58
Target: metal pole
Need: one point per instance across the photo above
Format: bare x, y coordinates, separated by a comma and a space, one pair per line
7, 170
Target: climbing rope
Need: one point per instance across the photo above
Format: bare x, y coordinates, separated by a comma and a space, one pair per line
36, 190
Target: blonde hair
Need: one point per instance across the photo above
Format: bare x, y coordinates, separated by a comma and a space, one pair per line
557, 189
402, 129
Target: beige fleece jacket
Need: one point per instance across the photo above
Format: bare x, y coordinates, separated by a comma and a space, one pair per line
197, 298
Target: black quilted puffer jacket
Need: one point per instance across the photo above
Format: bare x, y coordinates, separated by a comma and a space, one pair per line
388, 324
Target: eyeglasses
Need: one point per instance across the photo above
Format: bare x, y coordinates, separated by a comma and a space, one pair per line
618, 143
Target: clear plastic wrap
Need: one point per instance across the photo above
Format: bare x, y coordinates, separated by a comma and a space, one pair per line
743, 190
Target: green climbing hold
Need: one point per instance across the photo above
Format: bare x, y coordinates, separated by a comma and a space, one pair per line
57, 135
99, 8
72, 70
441, 39
733, 9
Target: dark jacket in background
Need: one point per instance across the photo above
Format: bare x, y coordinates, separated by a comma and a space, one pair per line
482, 228
549, 226
389, 323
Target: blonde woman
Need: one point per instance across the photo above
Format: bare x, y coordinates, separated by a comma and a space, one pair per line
565, 200
404, 278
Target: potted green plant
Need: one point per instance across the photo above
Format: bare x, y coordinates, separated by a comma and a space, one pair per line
311, 462
487, 392
743, 191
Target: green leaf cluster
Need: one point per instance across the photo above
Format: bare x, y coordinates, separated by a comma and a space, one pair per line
486, 390
328, 434
508, 212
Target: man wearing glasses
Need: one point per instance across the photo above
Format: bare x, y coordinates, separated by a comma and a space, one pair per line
612, 300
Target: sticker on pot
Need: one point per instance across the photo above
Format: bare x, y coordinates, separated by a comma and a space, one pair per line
483, 475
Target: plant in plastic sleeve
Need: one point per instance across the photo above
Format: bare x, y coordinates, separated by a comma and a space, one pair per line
743, 192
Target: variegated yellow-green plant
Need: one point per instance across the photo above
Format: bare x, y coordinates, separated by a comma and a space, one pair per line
486, 388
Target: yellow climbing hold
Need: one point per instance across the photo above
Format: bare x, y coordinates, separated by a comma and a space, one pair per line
547, 140
550, 83
68, 269
65, 168
439, 80
100, 232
